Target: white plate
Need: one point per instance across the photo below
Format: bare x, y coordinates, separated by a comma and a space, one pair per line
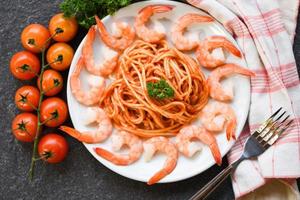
186, 167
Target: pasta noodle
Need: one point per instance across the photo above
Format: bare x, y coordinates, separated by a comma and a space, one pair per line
126, 99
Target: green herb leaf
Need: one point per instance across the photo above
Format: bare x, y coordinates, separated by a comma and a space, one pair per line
160, 90
85, 10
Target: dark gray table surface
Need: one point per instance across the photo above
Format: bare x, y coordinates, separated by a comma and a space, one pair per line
80, 176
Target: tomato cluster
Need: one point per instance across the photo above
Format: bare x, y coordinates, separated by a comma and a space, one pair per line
26, 65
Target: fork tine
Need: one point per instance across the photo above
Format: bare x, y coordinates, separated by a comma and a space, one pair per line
280, 116
271, 141
262, 128
269, 134
277, 134
264, 125
284, 119
271, 124
271, 130
275, 113
268, 129
285, 127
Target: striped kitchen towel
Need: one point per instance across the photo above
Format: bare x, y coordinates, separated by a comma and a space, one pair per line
265, 32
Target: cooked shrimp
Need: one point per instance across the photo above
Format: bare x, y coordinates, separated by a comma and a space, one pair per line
120, 41
134, 143
91, 115
164, 145
103, 69
103, 131
215, 88
97, 86
180, 26
215, 114
205, 48
189, 148
143, 17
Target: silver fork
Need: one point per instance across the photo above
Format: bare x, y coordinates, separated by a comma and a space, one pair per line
256, 144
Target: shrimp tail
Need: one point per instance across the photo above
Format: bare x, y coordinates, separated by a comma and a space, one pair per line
238, 69
216, 153
158, 8
71, 131
79, 65
248, 72
90, 36
162, 8
117, 160
158, 176
201, 18
230, 130
100, 25
230, 47
223, 42
207, 138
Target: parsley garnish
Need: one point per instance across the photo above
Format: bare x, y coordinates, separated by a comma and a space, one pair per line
85, 10
160, 90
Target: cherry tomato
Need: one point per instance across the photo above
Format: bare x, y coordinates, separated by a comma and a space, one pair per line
67, 26
53, 148
24, 65
24, 127
34, 38
52, 82
54, 112
60, 56
27, 98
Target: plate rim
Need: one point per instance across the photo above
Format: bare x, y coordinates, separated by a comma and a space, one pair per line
226, 150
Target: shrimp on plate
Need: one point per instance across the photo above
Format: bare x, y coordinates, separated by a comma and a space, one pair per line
162, 144
188, 148
181, 42
120, 139
96, 83
103, 69
103, 131
216, 90
123, 37
143, 17
206, 52
215, 115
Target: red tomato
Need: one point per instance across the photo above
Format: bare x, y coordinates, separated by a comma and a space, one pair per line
60, 51
35, 37
54, 112
67, 26
24, 65
24, 127
52, 82
53, 148
27, 98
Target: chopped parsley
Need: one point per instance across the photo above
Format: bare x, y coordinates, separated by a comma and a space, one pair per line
160, 90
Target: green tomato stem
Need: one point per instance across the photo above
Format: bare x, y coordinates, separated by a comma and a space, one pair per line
39, 125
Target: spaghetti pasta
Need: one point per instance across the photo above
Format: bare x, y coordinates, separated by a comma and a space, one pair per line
127, 102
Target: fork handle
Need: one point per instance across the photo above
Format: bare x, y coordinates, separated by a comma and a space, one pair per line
213, 184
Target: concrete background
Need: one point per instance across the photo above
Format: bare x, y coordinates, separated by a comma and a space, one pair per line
80, 176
